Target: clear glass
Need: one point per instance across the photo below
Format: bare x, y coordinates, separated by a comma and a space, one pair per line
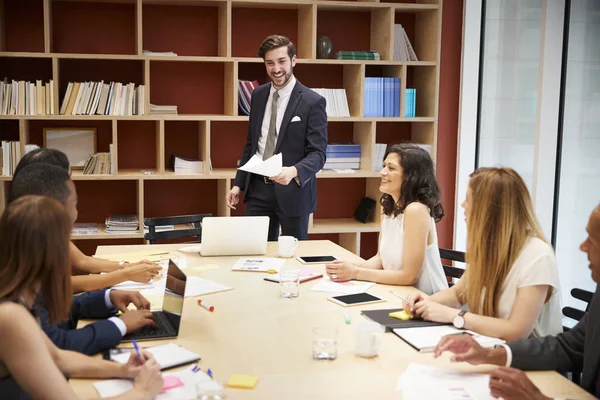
325, 343
511, 60
207, 393
579, 168
289, 284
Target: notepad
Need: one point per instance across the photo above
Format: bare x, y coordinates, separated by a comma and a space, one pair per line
242, 381
167, 356
258, 264
425, 339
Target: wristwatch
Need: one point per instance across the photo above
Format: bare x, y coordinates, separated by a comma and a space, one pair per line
121, 264
459, 320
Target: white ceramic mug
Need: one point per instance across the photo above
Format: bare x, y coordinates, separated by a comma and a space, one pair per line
368, 339
287, 246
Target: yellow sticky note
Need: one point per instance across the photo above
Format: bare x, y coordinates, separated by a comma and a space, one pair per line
403, 315
242, 381
205, 267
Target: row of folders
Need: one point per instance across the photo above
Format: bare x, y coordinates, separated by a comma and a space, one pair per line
382, 98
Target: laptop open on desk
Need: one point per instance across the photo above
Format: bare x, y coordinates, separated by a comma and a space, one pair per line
234, 236
168, 319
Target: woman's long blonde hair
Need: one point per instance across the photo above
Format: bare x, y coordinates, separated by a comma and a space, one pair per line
500, 221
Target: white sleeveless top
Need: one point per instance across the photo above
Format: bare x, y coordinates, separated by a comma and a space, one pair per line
391, 247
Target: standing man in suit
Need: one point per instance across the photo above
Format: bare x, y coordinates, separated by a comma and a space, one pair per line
577, 349
286, 117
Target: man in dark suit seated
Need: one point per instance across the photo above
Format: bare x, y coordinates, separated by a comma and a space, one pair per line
577, 349
52, 181
285, 117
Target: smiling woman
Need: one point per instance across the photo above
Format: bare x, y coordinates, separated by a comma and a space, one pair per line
408, 246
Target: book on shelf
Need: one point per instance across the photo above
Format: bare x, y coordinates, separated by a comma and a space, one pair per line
26, 98
337, 103
382, 97
183, 165
158, 53
163, 109
11, 155
403, 49
100, 98
84, 228
410, 102
122, 223
100, 163
358, 55
345, 156
245, 89
378, 154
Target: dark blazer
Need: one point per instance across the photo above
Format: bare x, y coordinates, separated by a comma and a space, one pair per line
90, 339
577, 349
302, 144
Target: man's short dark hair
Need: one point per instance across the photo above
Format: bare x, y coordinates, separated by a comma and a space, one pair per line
43, 155
275, 42
42, 180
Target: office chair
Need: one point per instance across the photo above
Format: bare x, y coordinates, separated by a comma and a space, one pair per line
196, 219
449, 270
576, 315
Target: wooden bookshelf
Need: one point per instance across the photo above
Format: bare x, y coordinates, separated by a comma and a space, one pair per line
216, 42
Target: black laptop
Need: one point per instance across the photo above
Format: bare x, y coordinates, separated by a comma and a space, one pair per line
169, 318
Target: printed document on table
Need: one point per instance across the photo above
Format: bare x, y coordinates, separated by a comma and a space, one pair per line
348, 287
269, 167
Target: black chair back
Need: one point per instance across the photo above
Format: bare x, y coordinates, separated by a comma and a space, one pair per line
196, 231
449, 270
575, 314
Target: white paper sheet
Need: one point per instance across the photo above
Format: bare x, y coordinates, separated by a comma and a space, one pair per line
269, 167
349, 287
258, 264
167, 355
195, 286
191, 249
115, 387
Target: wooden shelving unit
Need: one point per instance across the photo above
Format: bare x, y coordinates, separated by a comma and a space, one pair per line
216, 42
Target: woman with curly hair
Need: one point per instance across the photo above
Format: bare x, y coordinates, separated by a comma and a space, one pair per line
408, 245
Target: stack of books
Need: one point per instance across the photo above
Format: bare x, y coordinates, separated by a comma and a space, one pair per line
115, 98
100, 163
382, 97
163, 109
378, 154
358, 55
342, 156
410, 102
82, 228
245, 89
10, 156
186, 165
337, 103
122, 223
403, 50
26, 98
150, 53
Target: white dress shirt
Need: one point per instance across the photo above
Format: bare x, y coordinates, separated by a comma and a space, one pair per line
284, 98
115, 320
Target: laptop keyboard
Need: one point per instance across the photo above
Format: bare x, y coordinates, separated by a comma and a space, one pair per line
162, 329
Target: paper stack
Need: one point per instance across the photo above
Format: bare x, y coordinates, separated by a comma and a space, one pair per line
163, 109
80, 228
122, 223
159, 53
186, 165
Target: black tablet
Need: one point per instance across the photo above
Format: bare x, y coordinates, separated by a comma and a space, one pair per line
348, 300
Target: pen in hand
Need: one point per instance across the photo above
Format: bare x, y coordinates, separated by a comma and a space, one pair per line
137, 350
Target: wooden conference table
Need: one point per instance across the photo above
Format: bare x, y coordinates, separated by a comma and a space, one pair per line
253, 331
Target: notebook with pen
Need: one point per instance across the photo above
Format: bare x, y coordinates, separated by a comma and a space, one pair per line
383, 317
167, 356
424, 339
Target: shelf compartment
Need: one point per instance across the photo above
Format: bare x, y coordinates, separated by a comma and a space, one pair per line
195, 87
99, 199
420, 27
34, 133
185, 139
353, 132
138, 146
425, 79
227, 141
413, 132
352, 190
252, 23
93, 28
163, 198
192, 30
23, 25
26, 69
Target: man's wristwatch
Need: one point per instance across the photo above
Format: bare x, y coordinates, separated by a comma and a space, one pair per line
121, 264
459, 320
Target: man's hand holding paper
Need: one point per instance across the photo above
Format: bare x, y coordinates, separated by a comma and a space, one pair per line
270, 167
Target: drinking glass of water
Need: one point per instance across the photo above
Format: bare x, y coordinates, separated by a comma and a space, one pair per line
289, 284
325, 343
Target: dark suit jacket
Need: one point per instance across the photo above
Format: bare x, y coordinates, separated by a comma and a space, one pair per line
302, 144
90, 339
577, 349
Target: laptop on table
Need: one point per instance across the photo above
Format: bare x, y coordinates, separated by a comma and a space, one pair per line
234, 236
168, 319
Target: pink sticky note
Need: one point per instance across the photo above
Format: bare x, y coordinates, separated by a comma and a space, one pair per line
306, 272
171, 382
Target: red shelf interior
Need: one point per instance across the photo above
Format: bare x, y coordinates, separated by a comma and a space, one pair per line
26, 69
182, 138
94, 28
393, 132
347, 30
340, 132
320, 75
136, 144
9, 130
253, 72
369, 243
227, 141
103, 131
329, 190
23, 25
166, 198
99, 199
250, 26
195, 87
185, 30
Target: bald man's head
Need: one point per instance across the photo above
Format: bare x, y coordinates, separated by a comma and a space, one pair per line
591, 245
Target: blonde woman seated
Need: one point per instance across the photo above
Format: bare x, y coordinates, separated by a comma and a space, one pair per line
34, 255
511, 282
408, 245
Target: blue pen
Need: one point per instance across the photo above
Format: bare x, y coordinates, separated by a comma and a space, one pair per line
209, 373
137, 350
